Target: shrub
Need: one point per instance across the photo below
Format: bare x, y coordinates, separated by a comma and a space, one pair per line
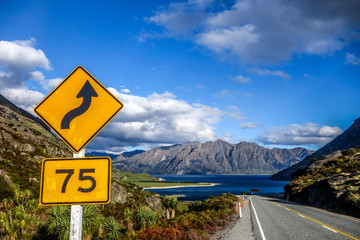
111, 229
349, 152
161, 233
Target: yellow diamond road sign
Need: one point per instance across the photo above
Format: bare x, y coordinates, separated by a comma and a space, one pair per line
75, 181
78, 108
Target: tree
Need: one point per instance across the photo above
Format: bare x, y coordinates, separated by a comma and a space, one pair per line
170, 204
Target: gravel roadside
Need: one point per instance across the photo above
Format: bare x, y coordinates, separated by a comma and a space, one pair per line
238, 228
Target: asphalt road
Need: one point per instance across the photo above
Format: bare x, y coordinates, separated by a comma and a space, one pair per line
274, 219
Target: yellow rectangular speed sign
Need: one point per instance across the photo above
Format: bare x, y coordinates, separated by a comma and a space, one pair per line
75, 181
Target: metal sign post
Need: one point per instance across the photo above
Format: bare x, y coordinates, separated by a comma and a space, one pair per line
76, 212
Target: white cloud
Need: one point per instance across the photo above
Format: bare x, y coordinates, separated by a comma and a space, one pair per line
160, 119
297, 134
176, 19
20, 62
248, 125
124, 90
266, 31
237, 40
52, 83
18, 59
242, 79
265, 72
22, 56
351, 59
23, 97
229, 137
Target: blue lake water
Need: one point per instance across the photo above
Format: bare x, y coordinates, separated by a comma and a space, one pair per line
234, 184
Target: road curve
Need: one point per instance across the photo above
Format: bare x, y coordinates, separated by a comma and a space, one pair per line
274, 219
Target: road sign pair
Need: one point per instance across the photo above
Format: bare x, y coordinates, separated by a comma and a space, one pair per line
77, 110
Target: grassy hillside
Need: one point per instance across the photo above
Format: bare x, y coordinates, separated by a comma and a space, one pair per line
331, 182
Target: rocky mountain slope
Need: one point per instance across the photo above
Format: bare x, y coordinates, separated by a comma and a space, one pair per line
331, 182
348, 139
219, 157
24, 143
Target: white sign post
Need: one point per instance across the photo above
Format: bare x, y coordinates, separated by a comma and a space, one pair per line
76, 212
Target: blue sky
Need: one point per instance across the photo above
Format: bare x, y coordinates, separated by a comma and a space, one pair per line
276, 72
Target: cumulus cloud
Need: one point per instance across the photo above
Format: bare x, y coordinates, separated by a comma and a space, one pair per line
299, 134
351, 59
263, 31
179, 18
21, 62
159, 119
23, 97
238, 39
18, 59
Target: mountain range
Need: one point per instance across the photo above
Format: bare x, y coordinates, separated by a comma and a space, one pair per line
218, 157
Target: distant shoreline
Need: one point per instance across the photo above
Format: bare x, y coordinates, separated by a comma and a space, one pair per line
182, 186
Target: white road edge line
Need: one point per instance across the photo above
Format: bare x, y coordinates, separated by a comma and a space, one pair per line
258, 222
329, 229
301, 215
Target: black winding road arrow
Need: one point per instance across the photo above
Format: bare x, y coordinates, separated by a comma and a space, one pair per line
87, 92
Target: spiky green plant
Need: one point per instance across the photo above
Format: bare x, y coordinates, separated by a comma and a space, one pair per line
59, 221
128, 217
111, 229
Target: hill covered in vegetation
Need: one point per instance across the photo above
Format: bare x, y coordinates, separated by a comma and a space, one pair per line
331, 182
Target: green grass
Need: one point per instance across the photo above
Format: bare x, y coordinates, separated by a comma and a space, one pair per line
131, 177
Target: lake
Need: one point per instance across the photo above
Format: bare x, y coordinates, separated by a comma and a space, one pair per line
234, 184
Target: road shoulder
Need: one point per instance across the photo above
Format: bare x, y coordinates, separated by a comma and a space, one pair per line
238, 228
